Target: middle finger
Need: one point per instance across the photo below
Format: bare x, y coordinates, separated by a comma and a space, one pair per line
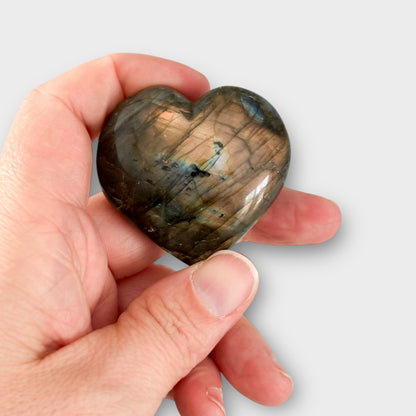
129, 251
294, 218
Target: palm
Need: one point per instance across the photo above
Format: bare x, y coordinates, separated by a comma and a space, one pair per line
76, 267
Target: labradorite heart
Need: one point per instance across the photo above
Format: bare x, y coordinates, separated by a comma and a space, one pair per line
195, 177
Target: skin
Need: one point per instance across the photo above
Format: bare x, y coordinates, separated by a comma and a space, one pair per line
89, 325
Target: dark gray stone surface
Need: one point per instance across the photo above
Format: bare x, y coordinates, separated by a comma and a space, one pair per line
194, 177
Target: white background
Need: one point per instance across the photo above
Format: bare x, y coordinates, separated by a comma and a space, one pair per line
340, 316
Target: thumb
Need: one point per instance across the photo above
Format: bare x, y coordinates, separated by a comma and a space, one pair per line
172, 327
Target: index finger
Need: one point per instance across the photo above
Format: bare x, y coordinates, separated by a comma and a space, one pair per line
49, 145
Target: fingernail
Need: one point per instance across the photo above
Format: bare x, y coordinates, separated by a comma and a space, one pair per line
224, 281
215, 395
280, 369
286, 375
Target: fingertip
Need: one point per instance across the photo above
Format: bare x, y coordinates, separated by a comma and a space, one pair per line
235, 258
137, 71
284, 389
288, 381
277, 387
194, 83
248, 363
200, 392
336, 215
278, 390
327, 220
215, 395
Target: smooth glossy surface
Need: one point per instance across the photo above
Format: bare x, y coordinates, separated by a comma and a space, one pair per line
195, 177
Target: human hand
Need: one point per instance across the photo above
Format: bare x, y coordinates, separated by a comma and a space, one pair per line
89, 325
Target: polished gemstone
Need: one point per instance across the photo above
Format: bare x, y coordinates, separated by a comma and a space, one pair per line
195, 177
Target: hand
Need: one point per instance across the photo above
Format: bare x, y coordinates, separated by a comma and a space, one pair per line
88, 324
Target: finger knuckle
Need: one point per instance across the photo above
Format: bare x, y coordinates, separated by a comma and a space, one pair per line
176, 327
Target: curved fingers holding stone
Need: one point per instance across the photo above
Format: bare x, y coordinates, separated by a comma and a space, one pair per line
294, 218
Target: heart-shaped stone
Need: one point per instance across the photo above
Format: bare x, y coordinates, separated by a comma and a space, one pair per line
195, 177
